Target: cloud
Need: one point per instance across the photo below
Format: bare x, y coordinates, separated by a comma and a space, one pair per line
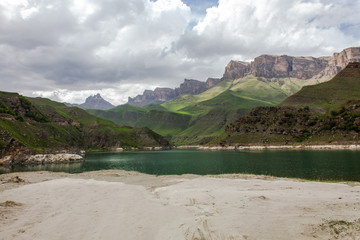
249, 28
69, 48
116, 95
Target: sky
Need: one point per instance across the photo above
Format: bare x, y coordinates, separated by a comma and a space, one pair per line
66, 50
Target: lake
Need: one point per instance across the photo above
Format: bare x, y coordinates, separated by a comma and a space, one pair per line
314, 165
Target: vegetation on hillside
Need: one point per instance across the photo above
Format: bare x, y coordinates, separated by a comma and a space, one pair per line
325, 113
41, 125
197, 119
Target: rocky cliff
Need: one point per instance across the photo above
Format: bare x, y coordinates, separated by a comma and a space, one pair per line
93, 102
271, 66
160, 95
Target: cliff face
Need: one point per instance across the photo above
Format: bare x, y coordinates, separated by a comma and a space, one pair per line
270, 66
160, 95
264, 66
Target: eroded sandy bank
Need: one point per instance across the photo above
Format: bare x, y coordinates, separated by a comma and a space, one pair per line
116, 204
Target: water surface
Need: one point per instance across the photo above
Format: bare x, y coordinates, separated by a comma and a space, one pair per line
315, 165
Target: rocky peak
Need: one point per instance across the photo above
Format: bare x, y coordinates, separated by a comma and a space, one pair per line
273, 66
236, 69
161, 95
96, 102
93, 102
340, 60
211, 82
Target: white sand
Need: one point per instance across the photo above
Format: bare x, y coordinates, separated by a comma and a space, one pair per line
123, 205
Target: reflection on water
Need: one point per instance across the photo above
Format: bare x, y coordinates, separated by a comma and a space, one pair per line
320, 165
52, 167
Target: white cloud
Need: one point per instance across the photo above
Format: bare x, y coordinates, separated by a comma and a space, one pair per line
253, 27
124, 47
116, 95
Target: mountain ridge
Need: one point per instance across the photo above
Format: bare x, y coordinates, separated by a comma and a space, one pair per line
161, 95
309, 70
325, 113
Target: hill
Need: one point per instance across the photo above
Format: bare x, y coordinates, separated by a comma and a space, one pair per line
320, 114
30, 125
343, 87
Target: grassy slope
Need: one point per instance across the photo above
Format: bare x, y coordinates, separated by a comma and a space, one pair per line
164, 122
272, 92
343, 87
211, 116
41, 124
193, 118
320, 114
123, 114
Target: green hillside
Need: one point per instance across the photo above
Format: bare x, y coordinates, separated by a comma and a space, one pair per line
272, 91
165, 123
42, 125
192, 119
320, 114
123, 114
343, 87
211, 116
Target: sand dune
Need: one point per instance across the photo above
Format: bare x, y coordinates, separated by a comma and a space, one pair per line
126, 205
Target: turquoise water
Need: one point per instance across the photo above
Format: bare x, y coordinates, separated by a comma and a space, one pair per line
316, 165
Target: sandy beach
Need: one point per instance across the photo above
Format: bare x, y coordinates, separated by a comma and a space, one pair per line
116, 204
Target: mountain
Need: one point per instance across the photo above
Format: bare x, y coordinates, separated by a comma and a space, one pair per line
343, 87
267, 81
320, 114
39, 125
160, 95
267, 68
305, 68
93, 102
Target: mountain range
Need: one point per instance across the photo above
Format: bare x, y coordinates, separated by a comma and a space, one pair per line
161, 95
272, 100
320, 114
200, 118
265, 67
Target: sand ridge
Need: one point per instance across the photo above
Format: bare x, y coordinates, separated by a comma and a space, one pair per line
116, 204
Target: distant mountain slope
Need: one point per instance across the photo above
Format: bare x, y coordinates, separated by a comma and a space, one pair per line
267, 81
160, 95
320, 114
93, 102
41, 125
123, 114
343, 87
267, 68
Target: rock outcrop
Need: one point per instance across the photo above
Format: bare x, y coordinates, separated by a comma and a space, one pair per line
271, 66
161, 95
41, 159
93, 102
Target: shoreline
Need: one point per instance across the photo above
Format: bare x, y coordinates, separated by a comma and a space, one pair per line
273, 147
111, 203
